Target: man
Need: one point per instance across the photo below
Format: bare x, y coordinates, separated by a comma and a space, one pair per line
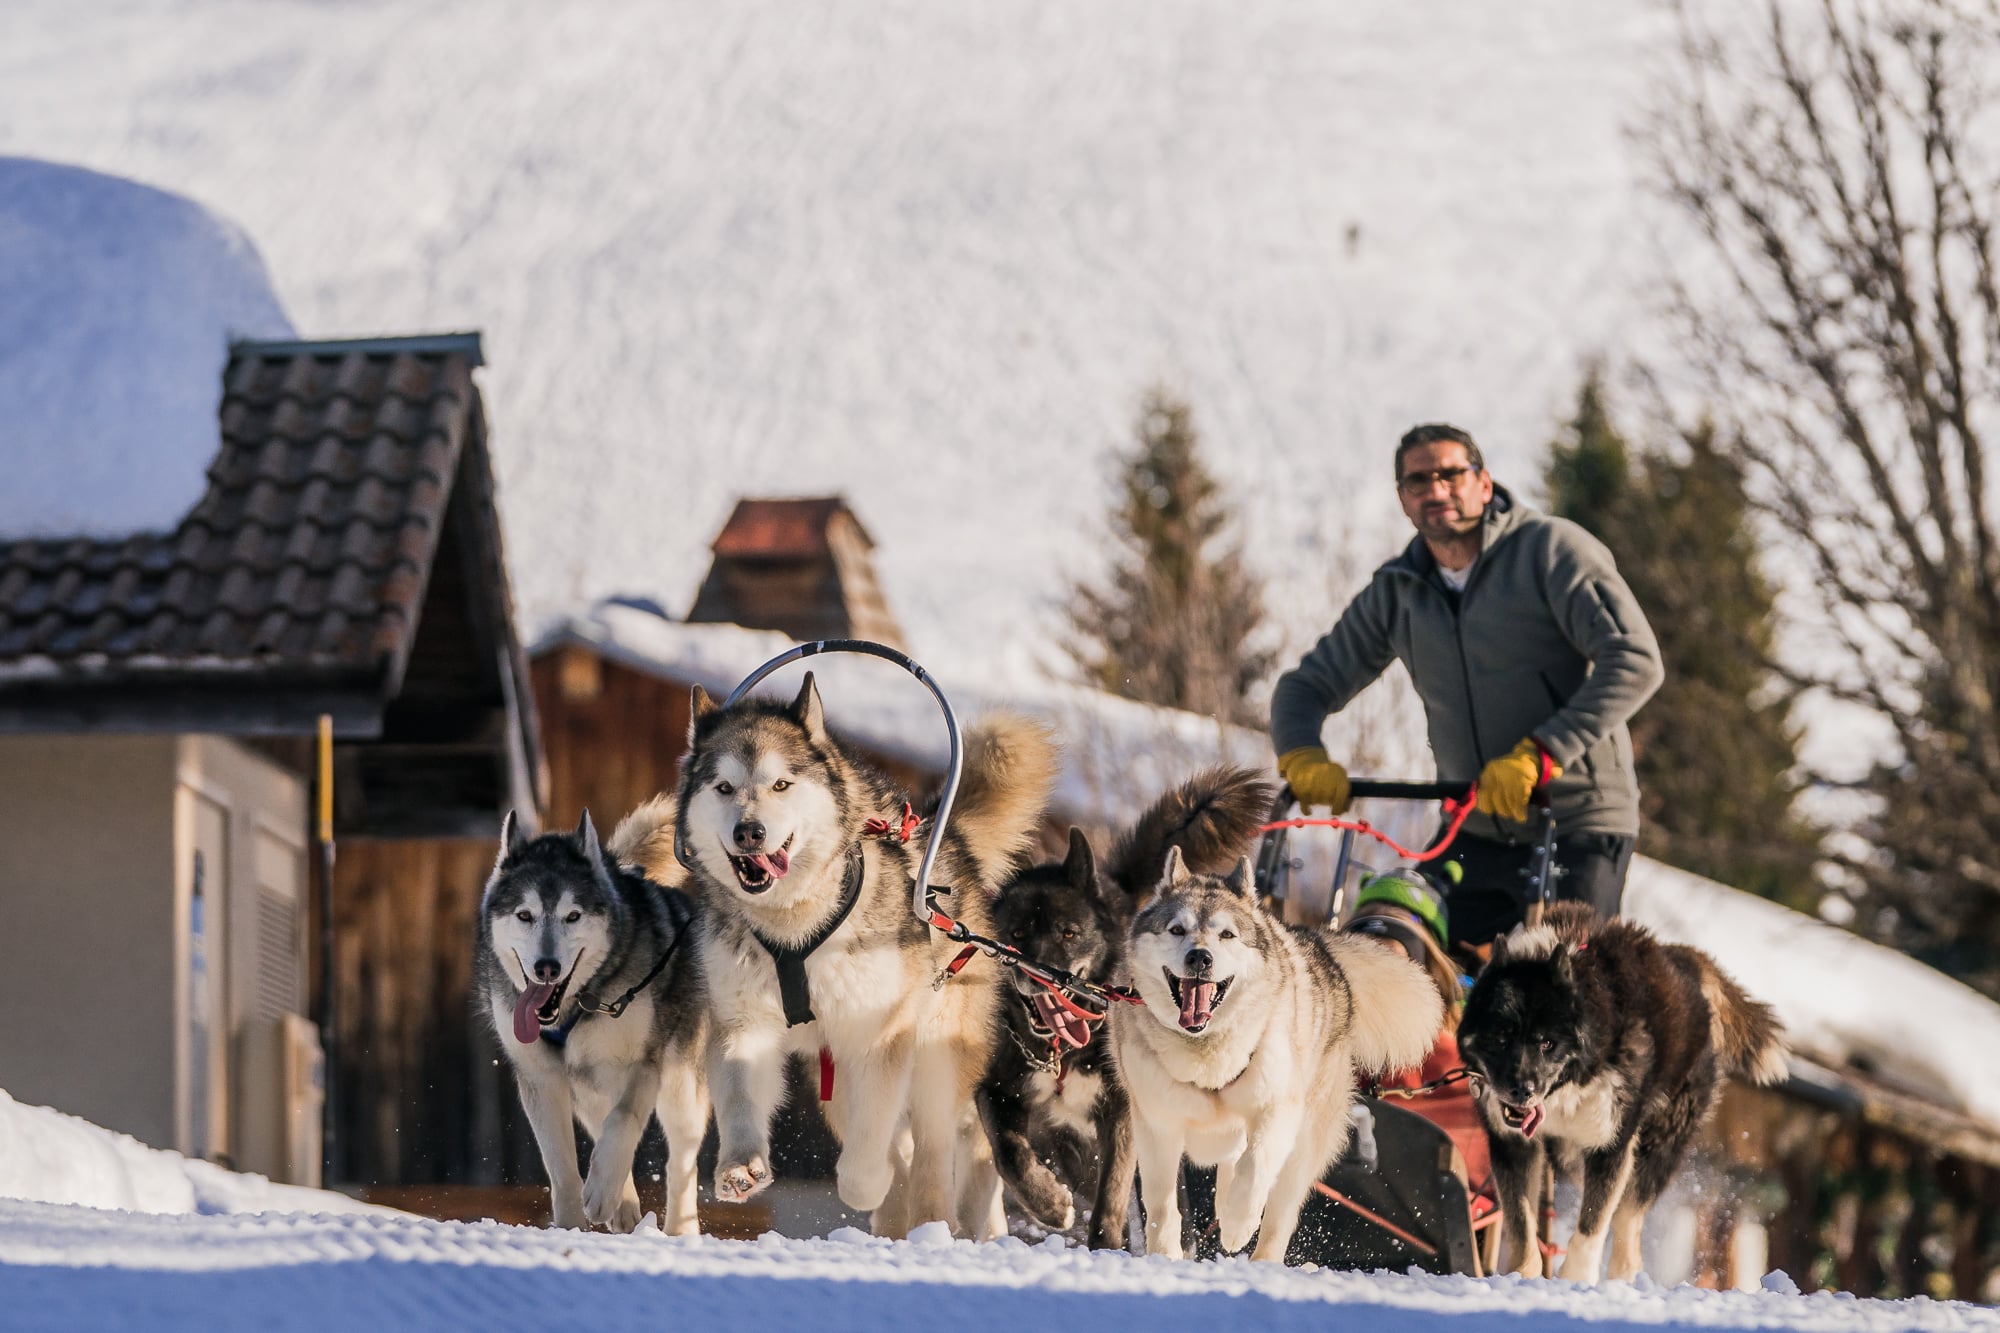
1529, 653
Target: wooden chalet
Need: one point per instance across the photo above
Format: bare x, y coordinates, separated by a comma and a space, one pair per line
157, 695
802, 567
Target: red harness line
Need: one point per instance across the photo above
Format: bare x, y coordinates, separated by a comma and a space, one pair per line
1457, 810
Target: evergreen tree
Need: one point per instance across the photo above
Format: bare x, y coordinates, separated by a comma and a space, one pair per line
1715, 749
1172, 624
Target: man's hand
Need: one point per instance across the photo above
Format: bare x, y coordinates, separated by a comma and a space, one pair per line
1508, 783
1314, 778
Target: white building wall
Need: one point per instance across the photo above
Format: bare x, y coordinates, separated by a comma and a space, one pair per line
89, 897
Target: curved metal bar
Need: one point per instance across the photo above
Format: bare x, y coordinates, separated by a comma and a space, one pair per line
920, 895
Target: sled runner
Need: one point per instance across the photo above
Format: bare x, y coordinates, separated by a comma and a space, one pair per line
1392, 1201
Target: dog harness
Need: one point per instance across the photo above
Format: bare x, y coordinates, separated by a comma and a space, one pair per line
558, 1036
790, 960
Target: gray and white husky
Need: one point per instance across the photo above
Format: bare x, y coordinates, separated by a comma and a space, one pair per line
810, 946
594, 986
1244, 1054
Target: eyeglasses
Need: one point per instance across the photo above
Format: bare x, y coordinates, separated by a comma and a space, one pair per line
1417, 483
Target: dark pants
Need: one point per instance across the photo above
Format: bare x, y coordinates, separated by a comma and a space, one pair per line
1491, 897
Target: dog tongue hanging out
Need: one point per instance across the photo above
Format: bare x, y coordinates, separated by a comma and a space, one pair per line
1246, 1049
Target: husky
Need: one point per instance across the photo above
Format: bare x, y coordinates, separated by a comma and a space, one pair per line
594, 987
1599, 1045
1245, 1051
811, 948
1052, 1085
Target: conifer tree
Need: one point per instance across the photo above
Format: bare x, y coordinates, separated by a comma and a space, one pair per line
1173, 623
1715, 749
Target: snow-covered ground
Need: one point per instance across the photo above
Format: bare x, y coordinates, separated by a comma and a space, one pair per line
98, 1232
925, 254
82, 1270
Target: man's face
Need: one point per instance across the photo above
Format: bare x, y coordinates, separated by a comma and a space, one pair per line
1443, 494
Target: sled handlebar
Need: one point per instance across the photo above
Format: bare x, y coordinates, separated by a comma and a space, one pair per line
1367, 788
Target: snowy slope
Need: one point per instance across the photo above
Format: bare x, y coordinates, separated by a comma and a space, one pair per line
120, 304
51, 1157
926, 254
79, 1270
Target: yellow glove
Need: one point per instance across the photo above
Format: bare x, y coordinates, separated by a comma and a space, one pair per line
1314, 778
1506, 784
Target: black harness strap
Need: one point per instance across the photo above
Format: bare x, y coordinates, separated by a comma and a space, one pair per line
558, 1035
793, 990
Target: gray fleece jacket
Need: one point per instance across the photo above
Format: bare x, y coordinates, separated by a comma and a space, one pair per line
1545, 641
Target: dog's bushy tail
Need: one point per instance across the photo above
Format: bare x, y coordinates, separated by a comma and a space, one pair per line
1397, 1009
1212, 818
1010, 770
644, 841
1746, 1033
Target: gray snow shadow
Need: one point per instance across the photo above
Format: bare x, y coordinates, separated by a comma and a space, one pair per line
386, 1296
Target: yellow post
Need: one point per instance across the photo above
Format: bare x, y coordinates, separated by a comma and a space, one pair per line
328, 1009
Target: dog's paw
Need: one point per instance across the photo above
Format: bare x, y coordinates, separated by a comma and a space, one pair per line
1045, 1198
1235, 1231
570, 1214
611, 1203
738, 1181
862, 1187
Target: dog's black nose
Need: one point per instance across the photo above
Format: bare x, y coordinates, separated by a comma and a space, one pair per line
750, 834
548, 969
1198, 961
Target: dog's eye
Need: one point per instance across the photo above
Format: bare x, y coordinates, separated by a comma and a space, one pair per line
1228, 934
1547, 1046
1069, 934
524, 915
780, 785
724, 789
573, 918
1176, 930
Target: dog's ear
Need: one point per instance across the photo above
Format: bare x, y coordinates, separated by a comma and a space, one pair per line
512, 839
1243, 879
699, 707
1175, 872
1080, 866
807, 711
586, 838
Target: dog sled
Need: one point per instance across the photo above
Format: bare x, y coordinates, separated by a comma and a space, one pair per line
1398, 1197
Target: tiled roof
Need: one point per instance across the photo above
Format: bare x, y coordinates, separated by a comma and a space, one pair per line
781, 528
310, 549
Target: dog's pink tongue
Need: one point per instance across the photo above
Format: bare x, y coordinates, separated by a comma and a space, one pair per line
1070, 1029
1532, 1121
527, 1027
775, 864
1197, 999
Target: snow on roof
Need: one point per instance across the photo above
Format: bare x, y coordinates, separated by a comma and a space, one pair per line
121, 302
1845, 1002
1117, 754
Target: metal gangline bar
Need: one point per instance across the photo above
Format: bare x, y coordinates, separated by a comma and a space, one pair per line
920, 895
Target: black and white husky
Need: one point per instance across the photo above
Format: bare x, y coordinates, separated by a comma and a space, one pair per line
1052, 1092
594, 987
1244, 1054
1601, 1046
810, 945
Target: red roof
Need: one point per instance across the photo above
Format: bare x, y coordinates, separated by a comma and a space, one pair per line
781, 529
